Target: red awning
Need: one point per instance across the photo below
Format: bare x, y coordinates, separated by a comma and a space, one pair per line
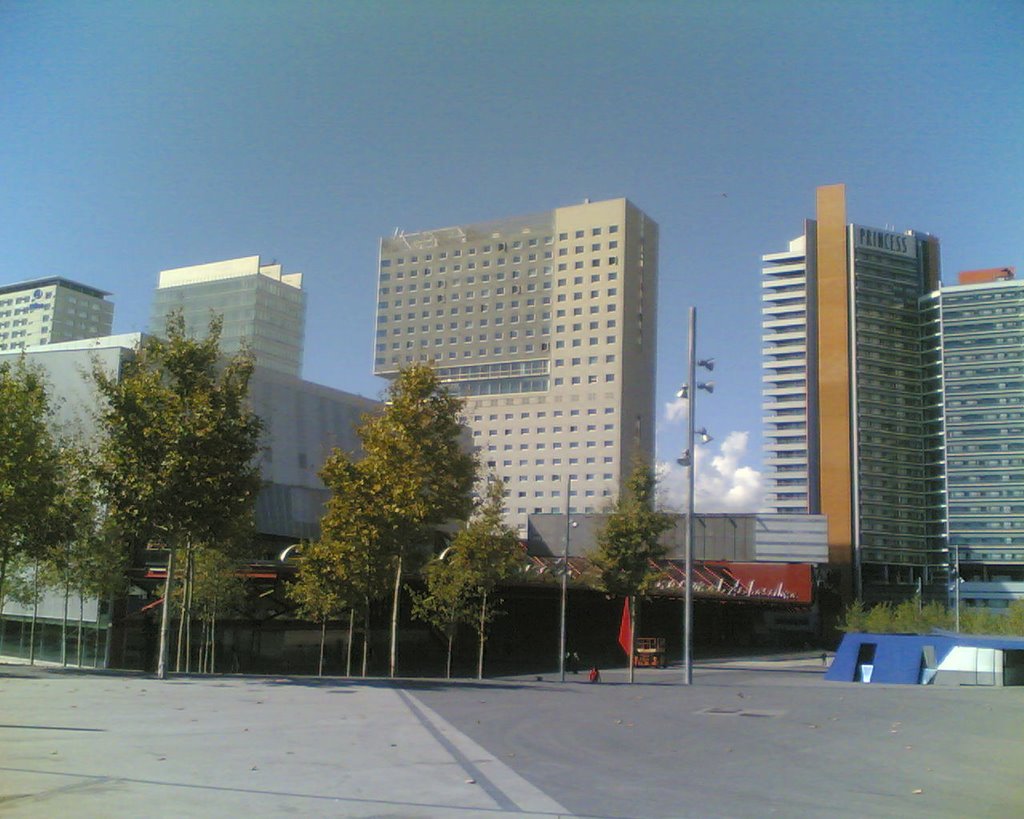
712, 579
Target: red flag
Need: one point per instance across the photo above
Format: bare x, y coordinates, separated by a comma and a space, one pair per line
626, 629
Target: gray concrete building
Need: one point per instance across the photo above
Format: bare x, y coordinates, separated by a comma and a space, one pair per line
741, 537
303, 423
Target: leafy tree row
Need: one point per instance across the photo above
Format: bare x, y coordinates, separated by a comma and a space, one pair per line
51, 524
174, 466
914, 617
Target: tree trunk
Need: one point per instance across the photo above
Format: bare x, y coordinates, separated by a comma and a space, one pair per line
213, 639
35, 616
81, 626
323, 637
483, 638
64, 624
106, 645
190, 569
165, 618
182, 614
448, 661
3, 580
393, 661
351, 634
366, 634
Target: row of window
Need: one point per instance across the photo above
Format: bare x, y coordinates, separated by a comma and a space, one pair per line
524, 415
503, 246
557, 461
555, 430
499, 275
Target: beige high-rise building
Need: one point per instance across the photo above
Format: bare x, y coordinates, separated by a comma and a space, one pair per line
49, 310
546, 324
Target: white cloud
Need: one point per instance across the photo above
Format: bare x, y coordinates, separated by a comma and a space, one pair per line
676, 410
723, 484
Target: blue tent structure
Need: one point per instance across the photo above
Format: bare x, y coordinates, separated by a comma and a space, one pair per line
939, 658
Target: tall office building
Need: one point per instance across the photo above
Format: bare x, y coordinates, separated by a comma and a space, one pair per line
975, 335
49, 310
546, 325
264, 309
844, 393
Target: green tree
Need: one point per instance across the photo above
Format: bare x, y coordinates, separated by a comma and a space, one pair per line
483, 555
28, 467
319, 592
419, 470
78, 557
217, 587
907, 617
177, 461
353, 531
445, 604
629, 543
1013, 624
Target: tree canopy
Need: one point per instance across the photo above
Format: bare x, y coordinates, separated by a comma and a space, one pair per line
28, 464
629, 543
178, 455
177, 461
462, 580
630, 538
415, 475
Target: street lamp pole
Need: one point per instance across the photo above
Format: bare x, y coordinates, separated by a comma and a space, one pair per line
956, 579
690, 471
953, 573
565, 579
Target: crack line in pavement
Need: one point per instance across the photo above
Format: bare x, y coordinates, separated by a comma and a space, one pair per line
492, 790
54, 728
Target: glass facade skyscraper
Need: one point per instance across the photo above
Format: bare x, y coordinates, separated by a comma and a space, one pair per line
263, 309
976, 392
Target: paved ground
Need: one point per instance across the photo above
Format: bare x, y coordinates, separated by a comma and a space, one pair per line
747, 739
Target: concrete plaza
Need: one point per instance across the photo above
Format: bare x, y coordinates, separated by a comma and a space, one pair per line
749, 738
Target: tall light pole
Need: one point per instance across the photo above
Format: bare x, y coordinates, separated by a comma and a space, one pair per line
565, 579
953, 572
689, 460
956, 580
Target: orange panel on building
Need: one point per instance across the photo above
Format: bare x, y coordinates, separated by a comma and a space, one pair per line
834, 371
989, 274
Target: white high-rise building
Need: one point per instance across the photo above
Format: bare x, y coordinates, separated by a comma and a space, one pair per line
49, 310
263, 309
546, 324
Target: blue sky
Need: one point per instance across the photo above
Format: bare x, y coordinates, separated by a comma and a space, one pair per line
141, 136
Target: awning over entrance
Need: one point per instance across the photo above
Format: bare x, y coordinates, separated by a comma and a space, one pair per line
712, 579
